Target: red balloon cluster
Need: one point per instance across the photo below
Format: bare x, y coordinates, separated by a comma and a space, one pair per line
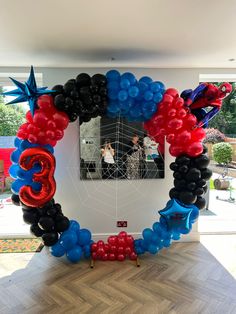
46, 126
118, 248
174, 121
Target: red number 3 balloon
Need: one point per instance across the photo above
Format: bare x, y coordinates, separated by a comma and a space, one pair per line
46, 176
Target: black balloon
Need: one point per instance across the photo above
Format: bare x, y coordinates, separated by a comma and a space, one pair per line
173, 193
199, 191
200, 202
36, 230
191, 186
183, 169
180, 184
15, 199
46, 223
177, 175
30, 216
202, 161
183, 160
193, 175
174, 166
83, 79
62, 224
187, 197
50, 238
206, 173
201, 183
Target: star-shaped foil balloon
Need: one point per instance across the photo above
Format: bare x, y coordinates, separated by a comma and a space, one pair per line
27, 92
178, 216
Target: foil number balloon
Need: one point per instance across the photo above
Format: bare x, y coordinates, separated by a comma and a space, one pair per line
45, 177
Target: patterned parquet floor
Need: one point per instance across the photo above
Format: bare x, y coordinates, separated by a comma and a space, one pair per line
187, 278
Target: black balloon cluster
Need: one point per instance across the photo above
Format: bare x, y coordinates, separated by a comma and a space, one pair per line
46, 222
84, 96
191, 175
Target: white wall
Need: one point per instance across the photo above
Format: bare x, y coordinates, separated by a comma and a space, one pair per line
97, 205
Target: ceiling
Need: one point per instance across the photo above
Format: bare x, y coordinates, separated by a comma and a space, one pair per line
107, 33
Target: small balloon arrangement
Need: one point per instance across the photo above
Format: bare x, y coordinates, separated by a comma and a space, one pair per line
165, 114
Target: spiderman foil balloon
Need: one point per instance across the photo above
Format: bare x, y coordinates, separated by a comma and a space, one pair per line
204, 96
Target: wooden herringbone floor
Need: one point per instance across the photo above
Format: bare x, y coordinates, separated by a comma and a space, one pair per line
185, 279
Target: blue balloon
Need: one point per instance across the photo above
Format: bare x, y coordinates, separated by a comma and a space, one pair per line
17, 142
68, 239
113, 75
122, 95
57, 250
152, 249
84, 237
74, 226
155, 87
155, 238
135, 112
15, 156
148, 95
129, 76
113, 108
17, 185
74, 255
133, 91
13, 171
157, 97
176, 236
162, 86
113, 94
113, 86
142, 86
147, 234
167, 243
146, 80
124, 84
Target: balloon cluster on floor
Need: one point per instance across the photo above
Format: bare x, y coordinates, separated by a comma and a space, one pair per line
165, 114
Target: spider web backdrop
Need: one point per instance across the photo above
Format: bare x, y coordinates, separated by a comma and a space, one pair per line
119, 134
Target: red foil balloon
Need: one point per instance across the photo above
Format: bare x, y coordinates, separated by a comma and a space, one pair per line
28, 158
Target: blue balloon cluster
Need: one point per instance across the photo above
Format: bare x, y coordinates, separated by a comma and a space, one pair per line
74, 242
23, 177
132, 99
176, 219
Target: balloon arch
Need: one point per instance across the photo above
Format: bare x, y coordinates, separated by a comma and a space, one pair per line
165, 114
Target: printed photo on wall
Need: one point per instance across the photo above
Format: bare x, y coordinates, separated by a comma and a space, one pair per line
114, 149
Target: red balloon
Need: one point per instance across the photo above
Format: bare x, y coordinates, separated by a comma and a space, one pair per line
112, 240
183, 137
181, 113
120, 250
167, 98
50, 134
128, 250
111, 257
94, 255
40, 119
27, 160
51, 125
45, 102
105, 257
175, 124
122, 234
133, 256
100, 251
172, 92
94, 247
61, 120
178, 103
176, 150
100, 243
106, 248
113, 249
194, 149
129, 240
190, 121
121, 241
31, 138
198, 135
172, 113
170, 138
29, 117
120, 257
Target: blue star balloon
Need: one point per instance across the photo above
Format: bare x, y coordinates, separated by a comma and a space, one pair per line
27, 92
177, 215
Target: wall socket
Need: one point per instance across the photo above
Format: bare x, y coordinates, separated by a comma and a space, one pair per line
122, 224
